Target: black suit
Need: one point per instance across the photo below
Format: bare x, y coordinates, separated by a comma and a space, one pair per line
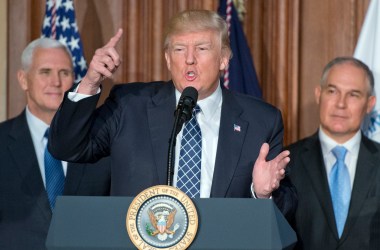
314, 220
25, 212
134, 127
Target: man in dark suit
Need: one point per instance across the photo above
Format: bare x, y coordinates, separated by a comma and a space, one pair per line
134, 125
25, 210
327, 219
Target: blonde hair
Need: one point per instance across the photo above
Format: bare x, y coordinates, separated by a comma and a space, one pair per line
198, 20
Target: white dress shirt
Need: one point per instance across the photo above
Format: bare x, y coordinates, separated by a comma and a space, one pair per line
209, 122
351, 159
37, 130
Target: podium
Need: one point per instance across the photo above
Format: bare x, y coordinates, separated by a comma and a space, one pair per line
85, 222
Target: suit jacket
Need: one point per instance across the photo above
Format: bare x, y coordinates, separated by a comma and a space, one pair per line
314, 220
134, 126
25, 212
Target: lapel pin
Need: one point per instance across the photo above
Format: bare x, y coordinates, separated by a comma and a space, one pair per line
237, 128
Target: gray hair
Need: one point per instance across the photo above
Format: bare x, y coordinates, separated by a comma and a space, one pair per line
196, 20
44, 43
353, 61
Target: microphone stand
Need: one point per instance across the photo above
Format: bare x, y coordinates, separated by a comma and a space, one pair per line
183, 113
172, 143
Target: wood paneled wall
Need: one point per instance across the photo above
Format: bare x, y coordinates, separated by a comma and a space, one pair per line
3, 59
290, 40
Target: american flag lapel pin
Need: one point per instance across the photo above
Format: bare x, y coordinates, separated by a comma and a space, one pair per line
237, 128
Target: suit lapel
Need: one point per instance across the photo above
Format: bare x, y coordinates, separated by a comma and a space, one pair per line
312, 160
364, 177
24, 155
74, 174
161, 118
229, 145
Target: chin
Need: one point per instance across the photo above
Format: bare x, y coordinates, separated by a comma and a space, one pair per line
190, 84
54, 106
340, 131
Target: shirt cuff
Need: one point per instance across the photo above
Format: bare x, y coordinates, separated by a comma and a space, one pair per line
76, 97
254, 194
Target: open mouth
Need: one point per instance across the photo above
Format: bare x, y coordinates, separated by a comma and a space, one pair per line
190, 75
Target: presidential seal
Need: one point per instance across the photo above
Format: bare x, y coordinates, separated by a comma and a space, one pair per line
162, 217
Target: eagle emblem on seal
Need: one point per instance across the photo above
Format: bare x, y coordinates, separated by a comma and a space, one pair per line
161, 221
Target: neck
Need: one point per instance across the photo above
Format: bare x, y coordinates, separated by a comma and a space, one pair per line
44, 116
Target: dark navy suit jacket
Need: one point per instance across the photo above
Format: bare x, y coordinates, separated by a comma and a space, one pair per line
25, 212
314, 221
134, 125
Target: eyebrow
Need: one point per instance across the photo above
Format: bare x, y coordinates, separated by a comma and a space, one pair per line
44, 69
196, 44
330, 85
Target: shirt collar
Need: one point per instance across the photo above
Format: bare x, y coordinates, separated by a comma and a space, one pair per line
210, 104
327, 143
36, 126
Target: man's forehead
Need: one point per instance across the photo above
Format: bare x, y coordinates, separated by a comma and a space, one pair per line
194, 38
194, 33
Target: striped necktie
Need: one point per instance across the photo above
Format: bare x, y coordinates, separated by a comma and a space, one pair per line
55, 178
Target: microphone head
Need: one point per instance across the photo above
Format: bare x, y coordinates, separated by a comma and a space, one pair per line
187, 102
190, 92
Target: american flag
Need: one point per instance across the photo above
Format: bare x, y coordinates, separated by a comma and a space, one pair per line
240, 75
368, 51
59, 23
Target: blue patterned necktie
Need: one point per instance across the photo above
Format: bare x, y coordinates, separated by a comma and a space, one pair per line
340, 188
55, 178
189, 168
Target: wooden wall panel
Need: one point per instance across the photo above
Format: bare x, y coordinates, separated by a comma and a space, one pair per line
3, 59
290, 40
18, 37
272, 29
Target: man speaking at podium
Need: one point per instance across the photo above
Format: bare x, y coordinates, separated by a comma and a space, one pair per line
231, 147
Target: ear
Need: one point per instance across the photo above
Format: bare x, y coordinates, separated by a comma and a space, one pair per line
225, 60
371, 103
317, 93
22, 79
167, 58
223, 64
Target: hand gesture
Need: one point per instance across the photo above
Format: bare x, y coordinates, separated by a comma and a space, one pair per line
266, 175
103, 64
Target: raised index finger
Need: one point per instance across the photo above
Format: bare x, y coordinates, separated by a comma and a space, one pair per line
115, 39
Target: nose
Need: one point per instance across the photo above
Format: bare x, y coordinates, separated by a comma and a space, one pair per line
56, 79
341, 102
190, 57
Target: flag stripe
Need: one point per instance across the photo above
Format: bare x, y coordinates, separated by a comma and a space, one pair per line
60, 24
241, 74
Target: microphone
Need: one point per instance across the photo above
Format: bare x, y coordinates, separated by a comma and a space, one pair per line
185, 107
183, 113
